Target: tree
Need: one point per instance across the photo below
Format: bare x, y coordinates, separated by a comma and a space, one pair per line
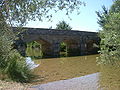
109, 20
63, 26
18, 13
21, 11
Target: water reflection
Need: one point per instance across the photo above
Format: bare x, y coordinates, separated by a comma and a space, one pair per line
56, 69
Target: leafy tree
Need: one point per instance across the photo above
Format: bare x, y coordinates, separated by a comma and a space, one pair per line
63, 26
109, 20
21, 11
103, 17
18, 13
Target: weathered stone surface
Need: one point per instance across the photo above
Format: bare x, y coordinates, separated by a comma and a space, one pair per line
78, 42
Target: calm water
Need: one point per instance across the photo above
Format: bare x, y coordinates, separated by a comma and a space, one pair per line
65, 68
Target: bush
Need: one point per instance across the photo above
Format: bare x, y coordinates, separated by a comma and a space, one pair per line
12, 65
17, 69
4, 50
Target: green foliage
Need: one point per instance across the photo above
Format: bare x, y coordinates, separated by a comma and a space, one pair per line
115, 7
5, 46
103, 17
20, 11
34, 50
63, 47
3, 52
11, 63
63, 26
17, 69
17, 13
110, 35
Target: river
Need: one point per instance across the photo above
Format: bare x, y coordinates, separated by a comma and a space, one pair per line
56, 69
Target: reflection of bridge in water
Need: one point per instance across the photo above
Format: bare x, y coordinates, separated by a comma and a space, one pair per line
78, 42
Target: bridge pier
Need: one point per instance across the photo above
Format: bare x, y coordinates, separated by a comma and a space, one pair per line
46, 50
83, 48
52, 50
56, 49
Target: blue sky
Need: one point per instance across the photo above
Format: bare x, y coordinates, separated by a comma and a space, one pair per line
86, 21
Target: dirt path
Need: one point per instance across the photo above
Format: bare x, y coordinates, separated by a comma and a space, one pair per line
88, 82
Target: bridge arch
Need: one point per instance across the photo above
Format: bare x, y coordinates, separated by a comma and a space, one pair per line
72, 46
77, 41
45, 47
91, 45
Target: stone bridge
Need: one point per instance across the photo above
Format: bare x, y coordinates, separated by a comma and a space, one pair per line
78, 42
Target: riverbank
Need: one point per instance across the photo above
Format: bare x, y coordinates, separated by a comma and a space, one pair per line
5, 85
56, 69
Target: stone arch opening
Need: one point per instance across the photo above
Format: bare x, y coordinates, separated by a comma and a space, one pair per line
91, 47
63, 49
39, 48
34, 49
45, 48
72, 47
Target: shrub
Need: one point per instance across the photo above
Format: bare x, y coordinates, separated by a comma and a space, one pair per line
109, 20
12, 65
17, 69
